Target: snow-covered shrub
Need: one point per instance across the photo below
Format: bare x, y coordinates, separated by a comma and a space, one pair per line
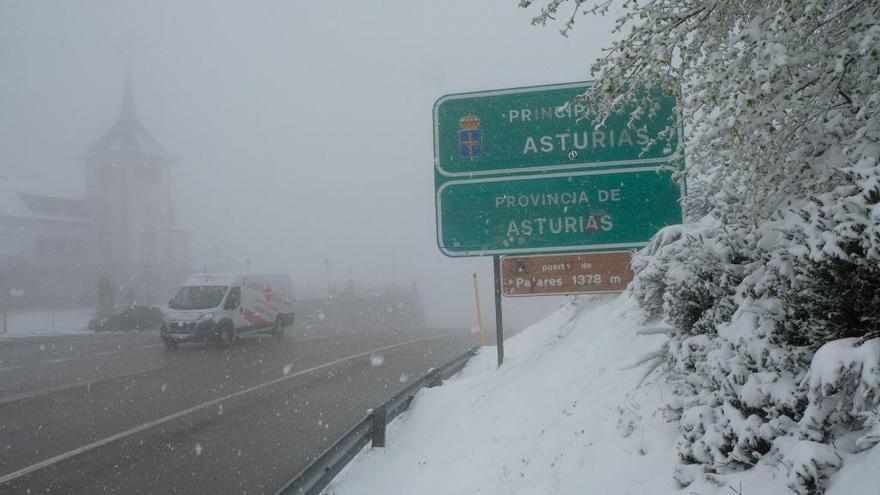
776, 352
843, 386
775, 349
760, 378
737, 394
685, 474
871, 435
780, 108
809, 464
833, 299
835, 242
688, 275
650, 269
685, 354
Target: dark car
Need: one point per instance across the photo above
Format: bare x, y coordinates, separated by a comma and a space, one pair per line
134, 317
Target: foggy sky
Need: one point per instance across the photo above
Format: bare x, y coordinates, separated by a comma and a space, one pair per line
302, 130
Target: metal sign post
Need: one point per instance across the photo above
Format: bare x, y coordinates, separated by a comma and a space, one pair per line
499, 325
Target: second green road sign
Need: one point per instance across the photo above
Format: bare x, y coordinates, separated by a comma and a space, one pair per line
587, 210
522, 171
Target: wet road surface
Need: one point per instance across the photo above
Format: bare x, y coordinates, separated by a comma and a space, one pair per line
119, 413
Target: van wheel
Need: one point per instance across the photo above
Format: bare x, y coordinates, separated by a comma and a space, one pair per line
225, 336
168, 341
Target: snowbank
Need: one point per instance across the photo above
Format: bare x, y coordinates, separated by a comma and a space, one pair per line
565, 414
48, 322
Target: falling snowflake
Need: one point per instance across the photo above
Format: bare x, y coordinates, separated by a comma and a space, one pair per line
164, 386
286, 369
403, 377
198, 449
376, 360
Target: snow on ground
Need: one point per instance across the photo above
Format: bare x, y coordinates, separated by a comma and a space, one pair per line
47, 322
563, 415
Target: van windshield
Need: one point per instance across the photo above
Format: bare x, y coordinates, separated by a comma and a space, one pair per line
200, 297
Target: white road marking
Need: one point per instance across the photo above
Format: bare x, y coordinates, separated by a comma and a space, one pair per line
94, 354
297, 340
127, 349
139, 348
156, 422
151, 346
61, 388
59, 360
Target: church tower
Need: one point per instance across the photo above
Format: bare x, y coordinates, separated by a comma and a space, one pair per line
128, 192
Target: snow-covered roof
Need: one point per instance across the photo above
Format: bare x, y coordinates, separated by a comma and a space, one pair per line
128, 135
52, 206
17, 202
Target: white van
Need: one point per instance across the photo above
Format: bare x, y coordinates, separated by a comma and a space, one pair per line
219, 306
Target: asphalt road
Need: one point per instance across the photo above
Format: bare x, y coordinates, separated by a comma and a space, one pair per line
119, 413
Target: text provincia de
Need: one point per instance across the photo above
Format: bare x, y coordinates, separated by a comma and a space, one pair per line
557, 224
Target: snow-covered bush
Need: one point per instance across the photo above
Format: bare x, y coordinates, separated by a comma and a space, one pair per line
760, 378
833, 299
688, 275
871, 435
836, 252
781, 111
736, 393
809, 464
843, 386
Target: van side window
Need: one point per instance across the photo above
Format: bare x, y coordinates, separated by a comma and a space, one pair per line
233, 298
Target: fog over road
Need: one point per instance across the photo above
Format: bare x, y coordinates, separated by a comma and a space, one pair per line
119, 413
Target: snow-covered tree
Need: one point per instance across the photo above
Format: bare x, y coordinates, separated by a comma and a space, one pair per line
774, 285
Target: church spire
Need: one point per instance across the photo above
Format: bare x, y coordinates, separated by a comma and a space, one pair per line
128, 135
126, 113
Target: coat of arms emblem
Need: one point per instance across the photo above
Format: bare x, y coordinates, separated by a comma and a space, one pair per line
470, 137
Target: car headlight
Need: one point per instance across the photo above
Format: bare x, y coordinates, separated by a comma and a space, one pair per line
205, 316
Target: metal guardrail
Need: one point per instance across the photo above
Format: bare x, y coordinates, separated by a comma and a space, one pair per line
317, 475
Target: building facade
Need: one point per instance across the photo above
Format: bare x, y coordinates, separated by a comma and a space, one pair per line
46, 248
53, 250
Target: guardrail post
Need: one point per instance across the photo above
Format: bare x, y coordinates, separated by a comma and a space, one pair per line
378, 431
322, 470
433, 379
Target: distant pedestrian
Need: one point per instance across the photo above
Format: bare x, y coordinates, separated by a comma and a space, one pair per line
105, 296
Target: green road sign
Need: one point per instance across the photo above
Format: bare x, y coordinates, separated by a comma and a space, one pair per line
521, 171
591, 210
539, 130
